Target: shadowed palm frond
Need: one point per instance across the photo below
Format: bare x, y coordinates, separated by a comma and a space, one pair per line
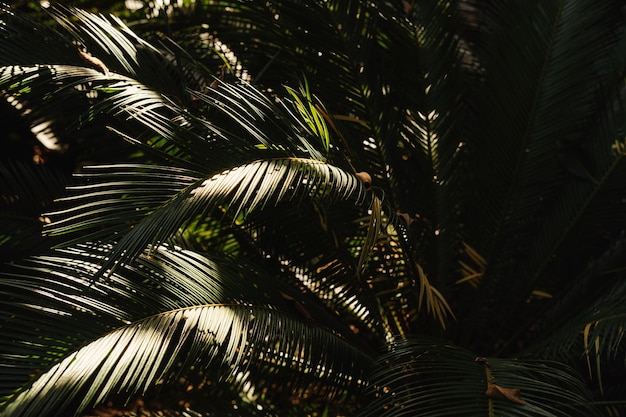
595, 334
536, 196
26, 191
422, 377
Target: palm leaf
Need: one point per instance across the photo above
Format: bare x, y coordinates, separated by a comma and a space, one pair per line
171, 135
226, 341
46, 45
529, 188
239, 191
245, 124
422, 377
47, 325
595, 334
123, 52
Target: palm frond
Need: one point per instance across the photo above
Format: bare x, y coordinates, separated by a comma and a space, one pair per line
595, 335
310, 111
228, 342
109, 40
316, 248
403, 287
421, 377
491, 137
530, 187
21, 45
244, 123
273, 127
237, 192
128, 53
73, 309
39, 90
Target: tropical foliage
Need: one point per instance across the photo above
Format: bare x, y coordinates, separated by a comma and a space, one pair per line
313, 207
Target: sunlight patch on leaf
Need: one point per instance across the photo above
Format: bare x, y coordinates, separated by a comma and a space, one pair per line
238, 191
309, 108
229, 342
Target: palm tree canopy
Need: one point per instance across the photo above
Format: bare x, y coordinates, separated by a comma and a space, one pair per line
337, 207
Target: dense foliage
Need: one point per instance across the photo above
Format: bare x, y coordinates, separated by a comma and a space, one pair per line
313, 207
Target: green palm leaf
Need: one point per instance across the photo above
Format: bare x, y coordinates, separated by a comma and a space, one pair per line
236, 192
493, 136
47, 325
229, 342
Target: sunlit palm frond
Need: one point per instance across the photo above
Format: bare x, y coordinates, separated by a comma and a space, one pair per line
229, 342
109, 40
311, 112
274, 127
75, 98
236, 192
47, 324
128, 55
111, 196
330, 46
244, 124
41, 109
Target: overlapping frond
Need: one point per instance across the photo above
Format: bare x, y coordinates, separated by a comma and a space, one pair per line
422, 377
595, 334
74, 310
530, 153
318, 252
235, 192
230, 343
487, 143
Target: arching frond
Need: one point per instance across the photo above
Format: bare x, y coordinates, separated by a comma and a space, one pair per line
71, 97
491, 138
48, 324
228, 342
594, 336
422, 377
237, 192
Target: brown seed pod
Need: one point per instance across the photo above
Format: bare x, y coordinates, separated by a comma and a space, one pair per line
365, 178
